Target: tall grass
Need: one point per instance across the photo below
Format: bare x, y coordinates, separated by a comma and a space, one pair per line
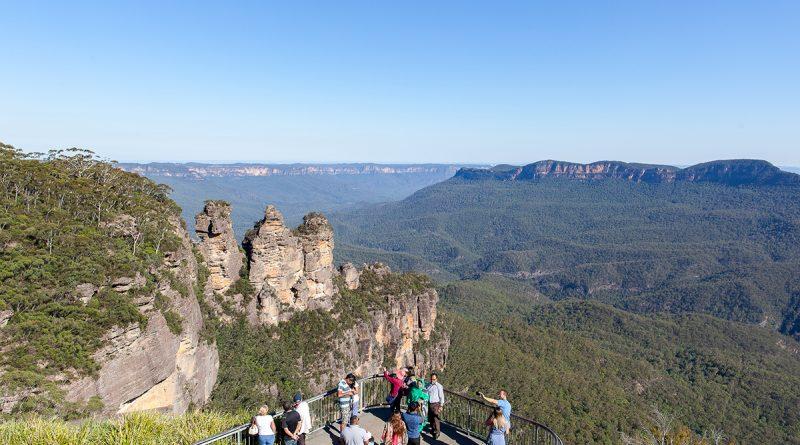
132, 429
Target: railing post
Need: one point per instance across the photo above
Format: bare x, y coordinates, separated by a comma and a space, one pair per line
469, 414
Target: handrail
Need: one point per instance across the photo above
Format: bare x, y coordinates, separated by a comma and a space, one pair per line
517, 432
464, 413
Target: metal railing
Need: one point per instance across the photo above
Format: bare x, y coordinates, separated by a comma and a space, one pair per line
462, 413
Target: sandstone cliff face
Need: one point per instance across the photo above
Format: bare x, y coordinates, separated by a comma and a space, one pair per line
731, 172
218, 245
290, 271
155, 368
398, 333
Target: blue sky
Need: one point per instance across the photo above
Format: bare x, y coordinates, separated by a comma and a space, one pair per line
489, 82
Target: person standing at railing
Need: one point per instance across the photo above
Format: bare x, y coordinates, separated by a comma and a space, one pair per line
435, 392
393, 399
265, 425
302, 408
498, 427
355, 406
413, 422
344, 392
501, 402
291, 424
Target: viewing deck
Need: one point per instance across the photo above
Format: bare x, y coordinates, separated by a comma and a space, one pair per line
373, 420
462, 421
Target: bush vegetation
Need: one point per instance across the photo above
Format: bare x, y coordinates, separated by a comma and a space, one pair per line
148, 428
67, 219
732, 252
589, 370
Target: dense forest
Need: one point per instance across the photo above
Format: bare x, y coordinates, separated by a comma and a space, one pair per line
590, 371
732, 252
596, 301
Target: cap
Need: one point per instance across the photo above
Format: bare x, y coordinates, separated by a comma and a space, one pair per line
298, 397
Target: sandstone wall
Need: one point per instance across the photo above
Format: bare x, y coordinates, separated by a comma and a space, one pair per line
399, 334
154, 368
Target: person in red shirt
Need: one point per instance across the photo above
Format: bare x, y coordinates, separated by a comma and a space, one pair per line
393, 399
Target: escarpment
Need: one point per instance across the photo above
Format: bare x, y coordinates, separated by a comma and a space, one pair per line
728, 172
396, 328
164, 365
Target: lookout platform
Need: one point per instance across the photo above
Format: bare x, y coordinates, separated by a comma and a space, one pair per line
373, 420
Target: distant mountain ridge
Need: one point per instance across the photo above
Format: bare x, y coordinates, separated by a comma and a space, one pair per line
729, 172
201, 170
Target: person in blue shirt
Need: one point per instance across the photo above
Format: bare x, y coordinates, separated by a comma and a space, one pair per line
501, 402
413, 421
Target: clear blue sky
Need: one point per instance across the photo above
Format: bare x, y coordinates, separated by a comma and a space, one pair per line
651, 81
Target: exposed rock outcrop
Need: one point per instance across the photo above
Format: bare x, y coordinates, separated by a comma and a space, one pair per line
350, 275
5, 316
397, 332
218, 245
290, 271
731, 172
155, 368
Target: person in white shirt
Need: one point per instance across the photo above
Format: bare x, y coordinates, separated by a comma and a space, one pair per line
266, 426
353, 434
435, 403
302, 408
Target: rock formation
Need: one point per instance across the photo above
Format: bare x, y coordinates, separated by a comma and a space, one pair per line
155, 368
218, 245
350, 275
398, 332
290, 271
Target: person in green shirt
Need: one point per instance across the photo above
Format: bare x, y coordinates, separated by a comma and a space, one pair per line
417, 394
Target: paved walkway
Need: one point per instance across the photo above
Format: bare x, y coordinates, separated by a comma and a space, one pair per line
372, 420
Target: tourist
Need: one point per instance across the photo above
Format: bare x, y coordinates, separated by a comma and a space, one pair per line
345, 394
413, 422
407, 374
353, 434
416, 394
302, 408
291, 424
435, 392
355, 407
396, 384
498, 427
266, 426
502, 403
394, 433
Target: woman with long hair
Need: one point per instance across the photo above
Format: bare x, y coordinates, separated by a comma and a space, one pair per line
266, 426
394, 433
498, 427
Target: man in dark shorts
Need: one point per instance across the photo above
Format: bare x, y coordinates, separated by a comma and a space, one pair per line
290, 424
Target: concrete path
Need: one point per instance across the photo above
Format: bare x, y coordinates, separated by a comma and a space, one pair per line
373, 420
